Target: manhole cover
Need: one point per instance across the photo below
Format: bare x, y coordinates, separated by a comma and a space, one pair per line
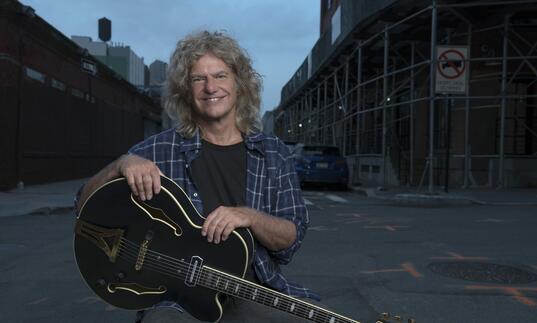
483, 272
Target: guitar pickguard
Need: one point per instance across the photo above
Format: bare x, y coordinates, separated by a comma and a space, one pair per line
106, 239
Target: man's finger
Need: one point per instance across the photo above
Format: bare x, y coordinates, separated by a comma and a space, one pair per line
140, 186
148, 186
227, 230
212, 223
156, 181
132, 184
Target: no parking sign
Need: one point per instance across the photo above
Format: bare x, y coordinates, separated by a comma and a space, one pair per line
451, 69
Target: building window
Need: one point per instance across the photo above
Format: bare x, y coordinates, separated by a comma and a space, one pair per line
58, 84
336, 25
77, 93
35, 75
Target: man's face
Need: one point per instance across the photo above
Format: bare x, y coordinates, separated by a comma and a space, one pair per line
214, 88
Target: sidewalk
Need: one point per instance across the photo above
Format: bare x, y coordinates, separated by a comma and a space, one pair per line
39, 199
52, 197
455, 197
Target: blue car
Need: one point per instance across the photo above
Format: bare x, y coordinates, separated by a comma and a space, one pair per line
321, 164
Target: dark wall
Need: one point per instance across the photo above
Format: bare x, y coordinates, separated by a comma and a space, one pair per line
65, 123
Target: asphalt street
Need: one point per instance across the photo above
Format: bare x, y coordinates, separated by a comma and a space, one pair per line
472, 263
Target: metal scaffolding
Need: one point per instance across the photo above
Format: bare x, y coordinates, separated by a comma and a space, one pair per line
376, 97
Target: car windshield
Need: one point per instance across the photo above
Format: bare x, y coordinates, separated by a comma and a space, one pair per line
320, 151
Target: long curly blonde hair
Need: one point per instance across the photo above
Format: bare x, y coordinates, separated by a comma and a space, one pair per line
177, 97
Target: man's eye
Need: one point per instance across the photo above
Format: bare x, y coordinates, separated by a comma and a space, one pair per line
197, 79
221, 76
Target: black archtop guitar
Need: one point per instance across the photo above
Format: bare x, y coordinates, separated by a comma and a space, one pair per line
135, 254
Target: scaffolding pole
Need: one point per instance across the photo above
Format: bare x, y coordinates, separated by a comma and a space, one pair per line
412, 90
385, 103
504, 100
467, 118
359, 100
432, 94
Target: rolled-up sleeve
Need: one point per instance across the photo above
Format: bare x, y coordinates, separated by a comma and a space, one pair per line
290, 205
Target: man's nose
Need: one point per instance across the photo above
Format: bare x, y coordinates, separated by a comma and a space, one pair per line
210, 85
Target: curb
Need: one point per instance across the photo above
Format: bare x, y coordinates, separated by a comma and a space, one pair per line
435, 200
48, 210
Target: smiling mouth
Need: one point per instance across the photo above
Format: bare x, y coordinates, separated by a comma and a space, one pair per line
213, 99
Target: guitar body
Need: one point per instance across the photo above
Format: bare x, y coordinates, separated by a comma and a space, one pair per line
135, 254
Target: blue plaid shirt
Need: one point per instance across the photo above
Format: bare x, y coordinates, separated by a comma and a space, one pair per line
271, 187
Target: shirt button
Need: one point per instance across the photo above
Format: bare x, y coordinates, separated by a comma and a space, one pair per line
195, 194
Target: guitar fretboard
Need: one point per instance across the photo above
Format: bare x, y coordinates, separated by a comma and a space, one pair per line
243, 289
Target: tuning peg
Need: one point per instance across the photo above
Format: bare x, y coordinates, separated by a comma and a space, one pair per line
385, 316
411, 321
397, 318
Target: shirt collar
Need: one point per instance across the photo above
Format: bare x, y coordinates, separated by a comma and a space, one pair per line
188, 144
253, 141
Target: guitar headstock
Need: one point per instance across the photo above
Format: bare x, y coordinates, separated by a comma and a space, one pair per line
387, 318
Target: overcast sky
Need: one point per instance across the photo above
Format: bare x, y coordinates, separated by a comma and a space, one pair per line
278, 34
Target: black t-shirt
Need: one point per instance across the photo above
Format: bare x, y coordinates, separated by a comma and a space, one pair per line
219, 174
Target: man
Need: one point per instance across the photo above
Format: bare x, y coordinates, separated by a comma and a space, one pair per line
235, 175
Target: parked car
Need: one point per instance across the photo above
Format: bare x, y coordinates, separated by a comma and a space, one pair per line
321, 164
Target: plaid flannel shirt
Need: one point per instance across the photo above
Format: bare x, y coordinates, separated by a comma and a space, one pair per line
272, 187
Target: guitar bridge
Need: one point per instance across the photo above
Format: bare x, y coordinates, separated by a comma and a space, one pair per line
104, 238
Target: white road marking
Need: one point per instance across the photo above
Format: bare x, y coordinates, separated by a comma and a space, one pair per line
336, 198
39, 301
492, 220
321, 228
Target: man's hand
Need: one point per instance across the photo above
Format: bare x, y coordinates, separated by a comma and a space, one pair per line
142, 175
272, 232
223, 220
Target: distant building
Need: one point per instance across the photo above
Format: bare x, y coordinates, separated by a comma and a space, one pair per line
122, 59
146, 76
329, 8
268, 122
95, 48
157, 72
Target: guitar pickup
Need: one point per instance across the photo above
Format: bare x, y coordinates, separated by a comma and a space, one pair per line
194, 271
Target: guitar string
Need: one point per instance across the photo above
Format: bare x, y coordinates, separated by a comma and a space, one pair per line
243, 292
267, 299
159, 268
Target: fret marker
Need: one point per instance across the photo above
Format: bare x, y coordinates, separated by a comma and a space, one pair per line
217, 281
292, 307
255, 294
310, 315
332, 319
237, 289
227, 283
276, 300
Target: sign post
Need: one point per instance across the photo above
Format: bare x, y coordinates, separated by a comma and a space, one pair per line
451, 70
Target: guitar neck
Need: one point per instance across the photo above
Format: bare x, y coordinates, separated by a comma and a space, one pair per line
244, 289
